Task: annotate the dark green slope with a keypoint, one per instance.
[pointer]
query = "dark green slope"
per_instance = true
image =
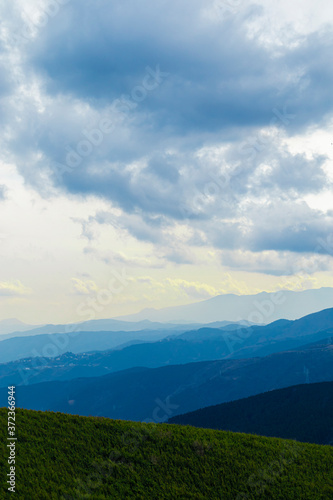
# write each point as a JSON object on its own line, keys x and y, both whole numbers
{"x": 69, "y": 457}
{"x": 303, "y": 412}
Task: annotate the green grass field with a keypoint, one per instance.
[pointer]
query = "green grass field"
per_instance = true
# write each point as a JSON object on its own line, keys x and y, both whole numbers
{"x": 68, "y": 457}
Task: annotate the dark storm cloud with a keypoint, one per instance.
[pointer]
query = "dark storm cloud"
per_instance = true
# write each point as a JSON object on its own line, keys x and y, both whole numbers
{"x": 221, "y": 88}
{"x": 280, "y": 226}
{"x": 219, "y": 77}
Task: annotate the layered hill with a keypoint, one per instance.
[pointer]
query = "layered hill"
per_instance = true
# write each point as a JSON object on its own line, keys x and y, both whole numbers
{"x": 173, "y": 390}
{"x": 303, "y": 412}
{"x": 35, "y": 343}
{"x": 103, "y": 459}
{"x": 53, "y": 345}
{"x": 205, "y": 344}
{"x": 13, "y": 328}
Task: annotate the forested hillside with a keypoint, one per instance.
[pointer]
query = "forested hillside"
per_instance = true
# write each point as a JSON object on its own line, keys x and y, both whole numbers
{"x": 70, "y": 457}
{"x": 303, "y": 412}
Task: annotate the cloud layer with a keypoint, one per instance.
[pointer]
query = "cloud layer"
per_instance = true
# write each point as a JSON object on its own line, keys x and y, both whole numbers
{"x": 185, "y": 124}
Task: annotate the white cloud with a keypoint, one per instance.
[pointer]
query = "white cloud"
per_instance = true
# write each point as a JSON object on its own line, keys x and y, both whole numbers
{"x": 84, "y": 287}
{"x": 14, "y": 289}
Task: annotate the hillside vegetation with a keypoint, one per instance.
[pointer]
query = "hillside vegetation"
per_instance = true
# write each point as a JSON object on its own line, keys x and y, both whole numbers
{"x": 70, "y": 457}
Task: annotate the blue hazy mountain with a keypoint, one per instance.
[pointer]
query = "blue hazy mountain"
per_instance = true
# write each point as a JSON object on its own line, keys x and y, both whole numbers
{"x": 25, "y": 344}
{"x": 260, "y": 308}
{"x": 54, "y": 345}
{"x": 10, "y": 325}
{"x": 150, "y": 349}
{"x": 98, "y": 325}
{"x": 159, "y": 393}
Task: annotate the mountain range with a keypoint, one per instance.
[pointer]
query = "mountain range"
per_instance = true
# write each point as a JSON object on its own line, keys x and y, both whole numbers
{"x": 228, "y": 374}
{"x": 159, "y": 393}
{"x": 97, "y": 325}
{"x": 53, "y": 345}
{"x": 151, "y": 349}
{"x": 263, "y": 307}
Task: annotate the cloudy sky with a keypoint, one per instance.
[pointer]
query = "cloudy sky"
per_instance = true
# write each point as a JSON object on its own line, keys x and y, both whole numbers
{"x": 156, "y": 153}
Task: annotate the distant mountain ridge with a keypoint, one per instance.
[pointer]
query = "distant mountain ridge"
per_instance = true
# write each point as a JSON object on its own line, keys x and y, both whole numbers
{"x": 152, "y": 349}
{"x": 259, "y": 308}
{"x": 11, "y": 324}
{"x": 97, "y": 325}
{"x": 56, "y": 344}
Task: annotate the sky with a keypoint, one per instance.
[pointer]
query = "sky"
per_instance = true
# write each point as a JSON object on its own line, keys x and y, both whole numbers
{"x": 158, "y": 153}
